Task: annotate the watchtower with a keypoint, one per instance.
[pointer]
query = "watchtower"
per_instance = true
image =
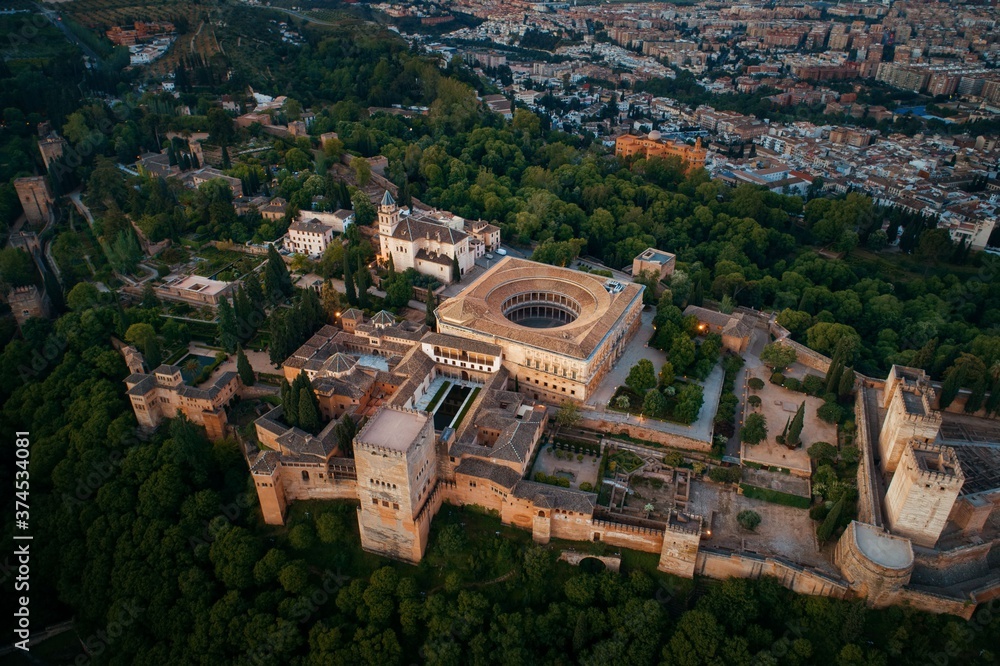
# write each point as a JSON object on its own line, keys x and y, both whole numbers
{"x": 908, "y": 398}
{"x": 397, "y": 474}
{"x": 923, "y": 491}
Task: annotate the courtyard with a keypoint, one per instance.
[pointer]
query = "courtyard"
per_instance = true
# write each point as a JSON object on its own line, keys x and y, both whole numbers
{"x": 577, "y": 468}
{"x": 784, "y": 531}
{"x": 778, "y": 406}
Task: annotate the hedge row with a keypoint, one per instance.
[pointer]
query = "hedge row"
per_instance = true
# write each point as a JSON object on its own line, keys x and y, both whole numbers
{"x": 775, "y": 496}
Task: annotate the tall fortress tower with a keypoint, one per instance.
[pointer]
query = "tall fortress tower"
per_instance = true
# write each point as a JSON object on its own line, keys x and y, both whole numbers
{"x": 908, "y": 400}
{"x": 923, "y": 491}
{"x": 397, "y": 474}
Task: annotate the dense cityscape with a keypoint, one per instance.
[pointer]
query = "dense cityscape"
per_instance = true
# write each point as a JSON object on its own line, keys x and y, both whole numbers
{"x": 500, "y": 332}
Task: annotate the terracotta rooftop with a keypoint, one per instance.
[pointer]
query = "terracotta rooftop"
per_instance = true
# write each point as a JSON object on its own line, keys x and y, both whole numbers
{"x": 479, "y": 308}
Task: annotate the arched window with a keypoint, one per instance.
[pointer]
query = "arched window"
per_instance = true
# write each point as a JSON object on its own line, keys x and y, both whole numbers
{"x": 305, "y": 475}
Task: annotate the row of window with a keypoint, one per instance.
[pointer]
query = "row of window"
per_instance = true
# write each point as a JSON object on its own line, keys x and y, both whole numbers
{"x": 395, "y": 505}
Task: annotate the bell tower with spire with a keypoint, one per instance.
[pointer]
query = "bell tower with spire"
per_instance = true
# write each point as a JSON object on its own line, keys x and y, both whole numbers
{"x": 388, "y": 220}
{"x": 388, "y": 215}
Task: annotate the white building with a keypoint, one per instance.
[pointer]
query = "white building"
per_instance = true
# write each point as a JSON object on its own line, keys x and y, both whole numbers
{"x": 426, "y": 242}
{"x": 309, "y": 237}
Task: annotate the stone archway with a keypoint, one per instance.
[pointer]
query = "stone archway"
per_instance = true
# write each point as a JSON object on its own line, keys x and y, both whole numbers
{"x": 609, "y": 562}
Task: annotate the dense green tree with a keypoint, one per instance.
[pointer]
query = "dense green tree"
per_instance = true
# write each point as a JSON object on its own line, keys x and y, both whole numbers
{"x": 754, "y": 429}
{"x": 228, "y": 329}
{"x": 277, "y": 280}
{"x": 641, "y": 377}
{"x": 748, "y": 519}
{"x": 793, "y": 435}
{"x": 689, "y": 401}
{"x": 309, "y": 419}
{"x": 777, "y": 356}
{"x": 654, "y": 404}
{"x": 243, "y": 368}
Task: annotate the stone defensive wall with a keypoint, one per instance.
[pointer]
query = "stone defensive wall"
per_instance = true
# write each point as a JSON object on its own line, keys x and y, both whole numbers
{"x": 876, "y": 564}
{"x": 720, "y": 563}
{"x": 869, "y": 505}
{"x": 337, "y": 481}
{"x": 638, "y": 431}
{"x": 930, "y": 602}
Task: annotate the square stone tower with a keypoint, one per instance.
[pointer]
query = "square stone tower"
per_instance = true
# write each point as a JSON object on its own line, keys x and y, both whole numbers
{"x": 26, "y": 303}
{"x": 36, "y": 198}
{"x": 923, "y": 491}
{"x": 907, "y": 399}
{"x": 395, "y": 458}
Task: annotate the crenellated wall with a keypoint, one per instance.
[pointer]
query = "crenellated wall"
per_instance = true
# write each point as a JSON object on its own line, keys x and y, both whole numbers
{"x": 723, "y": 564}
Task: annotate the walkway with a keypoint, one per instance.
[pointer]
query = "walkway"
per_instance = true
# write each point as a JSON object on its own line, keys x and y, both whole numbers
{"x": 751, "y": 362}
{"x": 701, "y": 430}
{"x": 637, "y": 349}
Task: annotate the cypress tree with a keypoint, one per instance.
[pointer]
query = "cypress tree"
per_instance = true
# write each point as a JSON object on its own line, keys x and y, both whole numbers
{"x": 975, "y": 401}
{"x": 286, "y": 400}
{"x": 292, "y": 404}
{"x": 254, "y": 294}
{"x": 349, "y": 291}
{"x": 308, "y": 414}
{"x": 829, "y": 524}
{"x": 431, "y": 303}
{"x": 227, "y": 326}
{"x": 456, "y": 271}
{"x": 361, "y": 278}
{"x": 834, "y": 373}
{"x": 794, "y": 436}
{"x": 952, "y": 384}
{"x": 846, "y": 387}
{"x": 993, "y": 402}
{"x": 243, "y": 368}
{"x": 276, "y": 278}
{"x": 278, "y": 348}
{"x": 152, "y": 352}
{"x": 244, "y": 311}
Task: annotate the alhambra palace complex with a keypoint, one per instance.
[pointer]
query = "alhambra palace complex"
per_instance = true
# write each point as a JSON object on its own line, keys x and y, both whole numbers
{"x": 456, "y": 416}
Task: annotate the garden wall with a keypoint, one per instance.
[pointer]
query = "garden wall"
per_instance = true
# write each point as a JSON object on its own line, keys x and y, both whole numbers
{"x": 612, "y": 428}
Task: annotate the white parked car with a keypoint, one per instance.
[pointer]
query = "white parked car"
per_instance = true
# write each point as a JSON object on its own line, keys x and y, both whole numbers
{"x": 501, "y": 251}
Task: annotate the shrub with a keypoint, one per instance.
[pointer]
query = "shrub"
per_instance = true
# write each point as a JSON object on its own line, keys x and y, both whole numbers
{"x": 829, "y": 412}
{"x": 777, "y": 378}
{"x": 725, "y": 474}
{"x": 819, "y": 511}
{"x": 673, "y": 459}
{"x": 748, "y": 520}
{"x": 829, "y": 524}
{"x": 813, "y": 384}
{"x": 822, "y": 451}
{"x": 586, "y": 486}
{"x": 775, "y": 496}
{"x": 754, "y": 401}
{"x": 755, "y": 383}
{"x": 792, "y": 384}
{"x": 579, "y": 457}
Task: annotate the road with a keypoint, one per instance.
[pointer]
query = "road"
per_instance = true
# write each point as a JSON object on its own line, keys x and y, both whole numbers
{"x": 53, "y": 18}
{"x": 296, "y": 14}
{"x": 80, "y": 206}
{"x": 751, "y": 361}
{"x": 637, "y": 349}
